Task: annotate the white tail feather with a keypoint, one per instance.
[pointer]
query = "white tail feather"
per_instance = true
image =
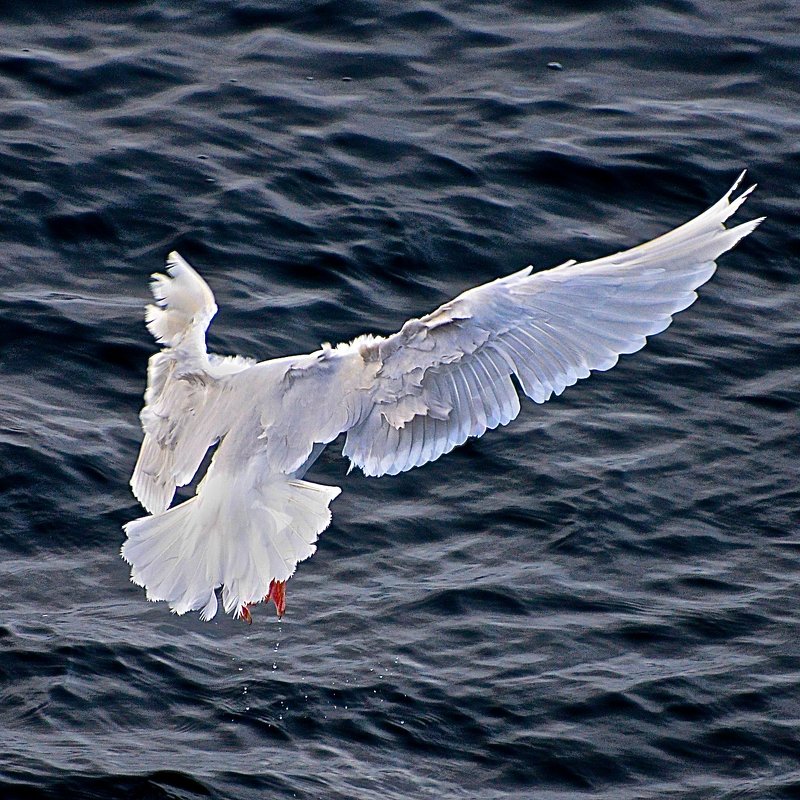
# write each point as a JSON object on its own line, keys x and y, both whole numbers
{"x": 184, "y": 554}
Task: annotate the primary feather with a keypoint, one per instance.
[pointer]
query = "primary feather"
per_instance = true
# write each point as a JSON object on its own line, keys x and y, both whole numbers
{"x": 402, "y": 400}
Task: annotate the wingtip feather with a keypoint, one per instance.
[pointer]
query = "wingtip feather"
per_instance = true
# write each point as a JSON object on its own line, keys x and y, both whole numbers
{"x": 182, "y": 300}
{"x": 737, "y": 182}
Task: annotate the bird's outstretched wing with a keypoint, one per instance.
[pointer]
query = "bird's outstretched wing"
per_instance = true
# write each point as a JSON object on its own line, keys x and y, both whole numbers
{"x": 407, "y": 399}
{"x": 181, "y": 418}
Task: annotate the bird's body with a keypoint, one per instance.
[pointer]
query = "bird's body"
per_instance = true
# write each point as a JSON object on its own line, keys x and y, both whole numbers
{"x": 402, "y": 400}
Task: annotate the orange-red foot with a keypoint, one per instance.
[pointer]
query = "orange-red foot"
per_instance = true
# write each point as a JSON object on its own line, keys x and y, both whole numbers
{"x": 246, "y": 615}
{"x": 277, "y": 593}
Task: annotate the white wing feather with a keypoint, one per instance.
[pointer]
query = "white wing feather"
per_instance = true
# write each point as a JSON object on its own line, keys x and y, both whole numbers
{"x": 181, "y": 418}
{"x": 448, "y": 376}
{"x": 408, "y": 398}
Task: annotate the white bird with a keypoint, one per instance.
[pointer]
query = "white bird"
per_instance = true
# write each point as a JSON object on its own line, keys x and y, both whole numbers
{"x": 402, "y": 400}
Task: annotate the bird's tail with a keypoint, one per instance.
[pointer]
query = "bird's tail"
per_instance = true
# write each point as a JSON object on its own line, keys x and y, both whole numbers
{"x": 241, "y": 542}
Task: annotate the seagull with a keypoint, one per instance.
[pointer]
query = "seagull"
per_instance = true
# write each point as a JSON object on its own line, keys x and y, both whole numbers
{"x": 402, "y": 401}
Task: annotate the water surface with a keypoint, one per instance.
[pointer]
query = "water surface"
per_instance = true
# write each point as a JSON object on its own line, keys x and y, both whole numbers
{"x": 602, "y": 599}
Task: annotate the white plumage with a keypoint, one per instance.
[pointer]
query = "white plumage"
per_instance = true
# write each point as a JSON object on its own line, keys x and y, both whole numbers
{"x": 402, "y": 400}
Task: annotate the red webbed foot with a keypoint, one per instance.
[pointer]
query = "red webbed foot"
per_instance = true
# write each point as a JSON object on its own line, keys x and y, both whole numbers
{"x": 277, "y": 593}
{"x": 245, "y": 614}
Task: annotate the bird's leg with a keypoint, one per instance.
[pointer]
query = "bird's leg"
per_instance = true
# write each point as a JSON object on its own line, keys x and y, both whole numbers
{"x": 277, "y": 593}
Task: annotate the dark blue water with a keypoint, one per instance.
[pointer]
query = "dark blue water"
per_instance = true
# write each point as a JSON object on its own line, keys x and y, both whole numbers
{"x": 600, "y": 600}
